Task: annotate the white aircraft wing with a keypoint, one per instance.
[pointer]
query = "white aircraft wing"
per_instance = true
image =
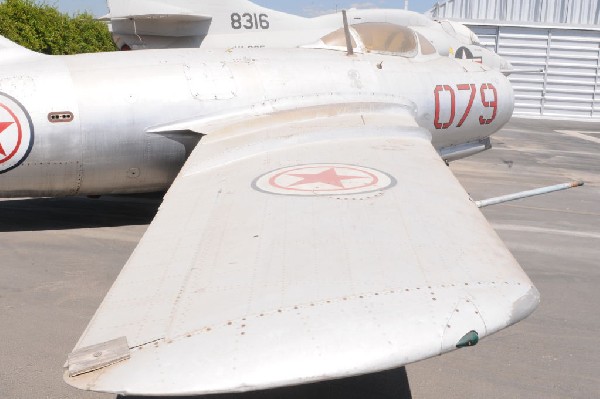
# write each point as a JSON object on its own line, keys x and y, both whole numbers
{"x": 316, "y": 244}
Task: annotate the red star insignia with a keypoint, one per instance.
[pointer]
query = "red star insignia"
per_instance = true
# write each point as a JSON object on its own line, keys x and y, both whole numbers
{"x": 328, "y": 176}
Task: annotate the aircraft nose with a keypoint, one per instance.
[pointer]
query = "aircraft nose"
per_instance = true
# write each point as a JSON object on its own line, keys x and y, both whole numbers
{"x": 495, "y": 61}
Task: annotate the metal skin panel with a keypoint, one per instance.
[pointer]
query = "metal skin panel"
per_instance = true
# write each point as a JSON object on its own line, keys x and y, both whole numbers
{"x": 116, "y": 97}
{"x": 54, "y": 164}
{"x": 118, "y": 155}
{"x": 400, "y": 278}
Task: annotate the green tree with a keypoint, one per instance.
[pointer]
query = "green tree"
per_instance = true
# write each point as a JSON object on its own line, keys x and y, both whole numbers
{"x": 42, "y": 28}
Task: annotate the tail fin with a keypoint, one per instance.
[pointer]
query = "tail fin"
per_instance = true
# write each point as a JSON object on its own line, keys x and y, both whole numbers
{"x": 7, "y": 44}
{"x": 10, "y": 50}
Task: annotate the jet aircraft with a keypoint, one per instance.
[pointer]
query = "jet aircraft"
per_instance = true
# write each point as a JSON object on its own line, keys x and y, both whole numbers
{"x": 311, "y": 229}
{"x": 143, "y": 24}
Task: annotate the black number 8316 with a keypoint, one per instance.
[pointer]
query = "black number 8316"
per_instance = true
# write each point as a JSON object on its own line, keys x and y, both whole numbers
{"x": 249, "y": 21}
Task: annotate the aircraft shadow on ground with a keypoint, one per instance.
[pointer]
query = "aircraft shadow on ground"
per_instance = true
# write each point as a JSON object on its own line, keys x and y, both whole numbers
{"x": 76, "y": 213}
{"x": 385, "y": 385}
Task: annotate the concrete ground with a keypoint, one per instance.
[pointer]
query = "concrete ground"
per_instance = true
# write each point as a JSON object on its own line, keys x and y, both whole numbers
{"x": 58, "y": 257}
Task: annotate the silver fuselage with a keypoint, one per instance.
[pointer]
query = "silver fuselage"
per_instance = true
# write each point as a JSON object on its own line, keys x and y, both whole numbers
{"x": 104, "y": 148}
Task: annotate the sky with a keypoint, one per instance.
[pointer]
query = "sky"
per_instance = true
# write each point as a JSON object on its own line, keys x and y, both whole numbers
{"x": 308, "y": 8}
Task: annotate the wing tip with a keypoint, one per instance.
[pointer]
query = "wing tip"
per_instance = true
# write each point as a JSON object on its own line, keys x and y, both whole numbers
{"x": 524, "y": 306}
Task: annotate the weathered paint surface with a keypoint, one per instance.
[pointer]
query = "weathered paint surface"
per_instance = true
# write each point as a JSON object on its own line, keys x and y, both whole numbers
{"x": 114, "y": 98}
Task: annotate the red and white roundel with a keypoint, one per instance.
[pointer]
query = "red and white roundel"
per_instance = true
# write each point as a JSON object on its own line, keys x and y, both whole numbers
{"x": 16, "y": 133}
{"x": 324, "y": 179}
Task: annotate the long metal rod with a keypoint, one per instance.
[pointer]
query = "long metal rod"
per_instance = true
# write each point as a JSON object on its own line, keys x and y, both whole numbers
{"x": 527, "y": 194}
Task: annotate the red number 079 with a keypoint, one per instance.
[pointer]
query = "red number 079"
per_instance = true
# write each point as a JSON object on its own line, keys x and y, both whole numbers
{"x": 489, "y": 99}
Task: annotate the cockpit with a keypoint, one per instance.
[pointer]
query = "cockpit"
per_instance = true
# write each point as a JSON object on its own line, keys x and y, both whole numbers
{"x": 380, "y": 38}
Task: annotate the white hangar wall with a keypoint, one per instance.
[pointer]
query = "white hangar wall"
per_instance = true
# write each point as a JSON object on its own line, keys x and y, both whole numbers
{"x": 561, "y": 37}
{"x": 572, "y": 12}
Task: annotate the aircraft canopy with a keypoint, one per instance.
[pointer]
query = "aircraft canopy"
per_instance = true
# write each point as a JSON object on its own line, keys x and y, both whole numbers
{"x": 379, "y": 37}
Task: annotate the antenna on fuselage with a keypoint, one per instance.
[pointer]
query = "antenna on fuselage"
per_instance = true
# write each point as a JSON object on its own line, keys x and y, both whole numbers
{"x": 347, "y": 32}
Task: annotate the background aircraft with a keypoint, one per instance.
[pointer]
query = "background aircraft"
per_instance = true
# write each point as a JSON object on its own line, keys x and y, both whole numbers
{"x": 142, "y": 24}
{"x": 314, "y": 231}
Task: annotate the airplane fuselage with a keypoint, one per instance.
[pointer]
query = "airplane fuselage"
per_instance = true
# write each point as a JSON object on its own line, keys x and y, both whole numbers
{"x": 77, "y": 125}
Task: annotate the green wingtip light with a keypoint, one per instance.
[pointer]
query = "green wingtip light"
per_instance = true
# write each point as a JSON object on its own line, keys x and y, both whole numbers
{"x": 470, "y": 339}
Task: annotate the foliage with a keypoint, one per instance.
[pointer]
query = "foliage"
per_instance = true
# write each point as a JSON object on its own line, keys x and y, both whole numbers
{"x": 42, "y": 28}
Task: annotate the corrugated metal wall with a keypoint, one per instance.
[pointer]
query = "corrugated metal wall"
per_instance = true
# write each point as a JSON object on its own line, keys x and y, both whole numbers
{"x": 578, "y": 12}
{"x": 568, "y": 54}
{"x": 570, "y": 83}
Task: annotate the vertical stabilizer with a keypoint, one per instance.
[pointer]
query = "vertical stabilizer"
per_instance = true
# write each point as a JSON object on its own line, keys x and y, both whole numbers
{"x": 10, "y": 51}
